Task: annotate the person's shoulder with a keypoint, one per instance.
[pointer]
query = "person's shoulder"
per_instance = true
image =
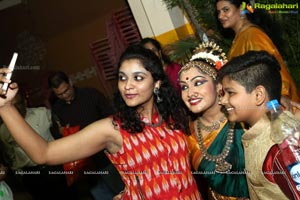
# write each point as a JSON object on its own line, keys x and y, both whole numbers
{"x": 57, "y": 105}
{"x": 175, "y": 65}
{"x": 85, "y": 89}
{"x": 38, "y": 110}
{"x": 254, "y": 31}
{"x": 89, "y": 90}
{"x": 107, "y": 125}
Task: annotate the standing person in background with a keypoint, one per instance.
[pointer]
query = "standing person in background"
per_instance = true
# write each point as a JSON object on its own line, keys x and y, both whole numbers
{"x": 255, "y": 30}
{"x": 215, "y": 145}
{"x": 145, "y": 139}
{"x": 80, "y": 107}
{"x": 170, "y": 67}
{"x": 41, "y": 181}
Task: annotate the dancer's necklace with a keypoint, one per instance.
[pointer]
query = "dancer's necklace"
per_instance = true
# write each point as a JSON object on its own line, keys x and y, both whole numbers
{"x": 221, "y": 165}
{"x": 215, "y": 125}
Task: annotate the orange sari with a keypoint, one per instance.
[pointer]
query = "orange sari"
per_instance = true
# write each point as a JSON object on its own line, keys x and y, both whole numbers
{"x": 255, "y": 39}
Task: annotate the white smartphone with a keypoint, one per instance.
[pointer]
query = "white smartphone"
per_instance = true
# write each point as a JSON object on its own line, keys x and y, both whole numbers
{"x": 11, "y": 66}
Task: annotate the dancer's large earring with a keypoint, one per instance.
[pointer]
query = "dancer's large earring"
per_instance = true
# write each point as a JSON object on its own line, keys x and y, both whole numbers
{"x": 158, "y": 98}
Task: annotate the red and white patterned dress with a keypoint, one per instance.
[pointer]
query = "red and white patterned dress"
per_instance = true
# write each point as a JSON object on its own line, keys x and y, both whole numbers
{"x": 154, "y": 165}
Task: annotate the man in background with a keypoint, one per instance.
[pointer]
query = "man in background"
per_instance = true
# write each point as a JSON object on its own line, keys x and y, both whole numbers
{"x": 80, "y": 107}
{"x": 41, "y": 181}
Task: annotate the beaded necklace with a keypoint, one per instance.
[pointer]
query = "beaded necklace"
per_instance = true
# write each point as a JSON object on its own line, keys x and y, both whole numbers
{"x": 221, "y": 165}
{"x": 214, "y": 126}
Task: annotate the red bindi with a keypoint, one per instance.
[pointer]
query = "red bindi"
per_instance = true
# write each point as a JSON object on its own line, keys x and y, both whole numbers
{"x": 187, "y": 78}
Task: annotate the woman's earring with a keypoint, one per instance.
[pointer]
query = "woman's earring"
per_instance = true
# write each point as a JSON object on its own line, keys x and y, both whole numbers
{"x": 158, "y": 98}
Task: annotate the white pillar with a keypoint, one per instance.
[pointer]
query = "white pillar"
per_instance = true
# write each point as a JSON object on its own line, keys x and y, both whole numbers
{"x": 156, "y": 21}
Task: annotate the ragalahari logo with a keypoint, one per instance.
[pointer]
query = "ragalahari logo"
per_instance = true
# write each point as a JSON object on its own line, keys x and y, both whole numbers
{"x": 246, "y": 8}
{"x": 281, "y": 8}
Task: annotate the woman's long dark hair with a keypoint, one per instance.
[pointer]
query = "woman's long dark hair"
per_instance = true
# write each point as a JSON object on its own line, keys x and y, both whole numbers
{"x": 170, "y": 108}
{"x": 262, "y": 19}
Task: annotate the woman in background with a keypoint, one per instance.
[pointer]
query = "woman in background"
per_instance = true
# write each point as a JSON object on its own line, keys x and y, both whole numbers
{"x": 255, "y": 30}
{"x": 171, "y": 68}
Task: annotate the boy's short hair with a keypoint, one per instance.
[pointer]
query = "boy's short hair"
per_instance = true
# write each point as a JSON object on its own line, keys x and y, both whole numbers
{"x": 252, "y": 69}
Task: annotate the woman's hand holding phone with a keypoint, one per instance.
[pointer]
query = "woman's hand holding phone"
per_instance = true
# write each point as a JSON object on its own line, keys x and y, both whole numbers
{"x": 7, "y": 90}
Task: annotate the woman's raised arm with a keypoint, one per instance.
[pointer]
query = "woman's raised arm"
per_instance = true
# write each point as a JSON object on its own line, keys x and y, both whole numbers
{"x": 95, "y": 137}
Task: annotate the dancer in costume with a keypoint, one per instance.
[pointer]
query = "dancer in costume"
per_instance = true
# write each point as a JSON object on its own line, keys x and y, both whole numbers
{"x": 215, "y": 143}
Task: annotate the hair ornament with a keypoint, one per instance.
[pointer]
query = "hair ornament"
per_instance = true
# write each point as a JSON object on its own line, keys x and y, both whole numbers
{"x": 211, "y": 53}
{"x": 208, "y": 57}
{"x": 204, "y": 67}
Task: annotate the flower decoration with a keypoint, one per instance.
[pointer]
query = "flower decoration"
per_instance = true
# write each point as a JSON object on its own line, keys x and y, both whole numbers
{"x": 211, "y": 53}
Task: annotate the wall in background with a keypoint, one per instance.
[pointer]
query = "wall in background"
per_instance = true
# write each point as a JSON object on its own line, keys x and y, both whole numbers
{"x": 154, "y": 19}
{"x": 65, "y": 29}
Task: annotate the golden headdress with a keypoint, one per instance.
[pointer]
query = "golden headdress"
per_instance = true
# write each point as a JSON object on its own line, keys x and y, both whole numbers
{"x": 208, "y": 57}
